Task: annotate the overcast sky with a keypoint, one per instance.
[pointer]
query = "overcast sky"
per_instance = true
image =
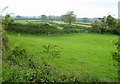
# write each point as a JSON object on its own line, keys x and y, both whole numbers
{"x": 82, "y": 8}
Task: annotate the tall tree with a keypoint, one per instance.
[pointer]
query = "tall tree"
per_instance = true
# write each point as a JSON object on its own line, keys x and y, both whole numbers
{"x": 111, "y": 22}
{"x": 69, "y": 17}
{"x": 43, "y": 17}
{"x": 51, "y": 18}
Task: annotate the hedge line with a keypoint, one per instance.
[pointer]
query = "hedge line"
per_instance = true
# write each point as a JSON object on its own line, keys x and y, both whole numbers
{"x": 46, "y": 28}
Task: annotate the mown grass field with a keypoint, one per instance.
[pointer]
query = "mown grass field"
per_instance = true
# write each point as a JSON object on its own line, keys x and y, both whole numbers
{"x": 80, "y": 53}
{"x": 84, "y": 24}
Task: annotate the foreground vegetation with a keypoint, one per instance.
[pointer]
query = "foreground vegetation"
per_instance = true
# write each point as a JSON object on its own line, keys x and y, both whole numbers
{"x": 87, "y": 54}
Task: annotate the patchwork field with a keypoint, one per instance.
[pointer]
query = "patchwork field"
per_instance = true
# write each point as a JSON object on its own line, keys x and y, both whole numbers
{"x": 80, "y": 53}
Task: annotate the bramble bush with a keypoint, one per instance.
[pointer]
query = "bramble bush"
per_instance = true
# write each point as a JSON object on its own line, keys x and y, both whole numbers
{"x": 18, "y": 66}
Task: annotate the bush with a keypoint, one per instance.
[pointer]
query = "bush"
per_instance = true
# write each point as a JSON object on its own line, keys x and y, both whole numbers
{"x": 75, "y": 28}
{"x": 33, "y": 28}
{"x": 18, "y": 66}
{"x": 5, "y": 45}
{"x": 100, "y": 28}
{"x": 45, "y": 28}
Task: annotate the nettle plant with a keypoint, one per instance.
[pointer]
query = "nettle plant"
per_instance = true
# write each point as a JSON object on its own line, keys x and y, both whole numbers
{"x": 52, "y": 51}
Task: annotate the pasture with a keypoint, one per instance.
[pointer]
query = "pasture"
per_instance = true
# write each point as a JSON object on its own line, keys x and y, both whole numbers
{"x": 84, "y": 24}
{"x": 80, "y": 53}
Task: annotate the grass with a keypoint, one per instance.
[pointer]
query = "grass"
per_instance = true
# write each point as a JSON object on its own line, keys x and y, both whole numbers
{"x": 84, "y": 24}
{"x": 86, "y": 53}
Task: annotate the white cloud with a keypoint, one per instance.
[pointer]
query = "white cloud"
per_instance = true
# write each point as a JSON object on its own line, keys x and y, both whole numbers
{"x": 82, "y": 8}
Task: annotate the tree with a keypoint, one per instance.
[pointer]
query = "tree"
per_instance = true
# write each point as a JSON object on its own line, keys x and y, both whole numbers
{"x": 85, "y": 19}
{"x": 101, "y": 26}
{"x": 51, "y": 18}
{"x": 106, "y": 24}
{"x": 69, "y": 17}
{"x": 112, "y": 23}
{"x": 19, "y": 17}
{"x": 43, "y": 17}
{"x": 6, "y": 21}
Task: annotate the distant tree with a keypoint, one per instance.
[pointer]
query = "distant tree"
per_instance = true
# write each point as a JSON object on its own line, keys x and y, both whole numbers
{"x": 85, "y": 19}
{"x": 43, "y": 17}
{"x": 112, "y": 23}
{"x": 106, "y": 24}
{"x": 18, "y": 17}
{"x": 103, "y": 19}
{"x": 100, "y": 26}
{"x": 51, "y": 18}
{"x": 69, "y": 17}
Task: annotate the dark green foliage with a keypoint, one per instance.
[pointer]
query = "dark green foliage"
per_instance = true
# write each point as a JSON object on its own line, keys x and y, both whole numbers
{"x": 33, "y": 28}
{"x": 16, "y": 62}
{"x": 18, "y": 66}
{"x": 85, "y": 19}
{"x": 75, "y": 29}
{"x": 118, "y": 28}
{"x": 19, "y": 57}
{"x": 45, "y": 28}
{"x": 69, "y": 17}
{"x": 99, "y": 27}
{"x": 105, "y": 25}
{"x": 5, "y": 44}
{"x": 116, "y": 55}
{"x": 6, "y": 21}
{"x": 5, "y": 24}
{"x": 44, "y": 18}
{"x": 111, "y": 21}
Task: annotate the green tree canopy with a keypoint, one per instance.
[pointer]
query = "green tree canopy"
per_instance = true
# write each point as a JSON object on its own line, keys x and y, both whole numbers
{"x": 7, "y": 20}
{"x": 51, "y": 18}
{"x": 69, "y": 17}
{"x": 85, "y": 19}
{"x": 43, "y": 17}
{"x": 111, "y": 21}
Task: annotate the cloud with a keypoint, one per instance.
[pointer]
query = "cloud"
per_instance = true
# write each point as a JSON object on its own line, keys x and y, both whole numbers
{"x": 82, "y": 8}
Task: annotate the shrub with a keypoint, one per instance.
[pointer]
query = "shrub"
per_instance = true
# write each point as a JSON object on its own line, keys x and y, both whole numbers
{"x": 52, "y": 51}
{"x": 33, "y": 28}
{"x": 45, "y": 28}
{"x": 18, "y": 66}
{"x": 99, "y": 28}
{"x": 75, "y": 28}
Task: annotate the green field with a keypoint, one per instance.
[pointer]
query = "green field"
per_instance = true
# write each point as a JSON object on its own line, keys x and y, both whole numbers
{"x": 84, "y": 24}
{"x": 83, "y": 52}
